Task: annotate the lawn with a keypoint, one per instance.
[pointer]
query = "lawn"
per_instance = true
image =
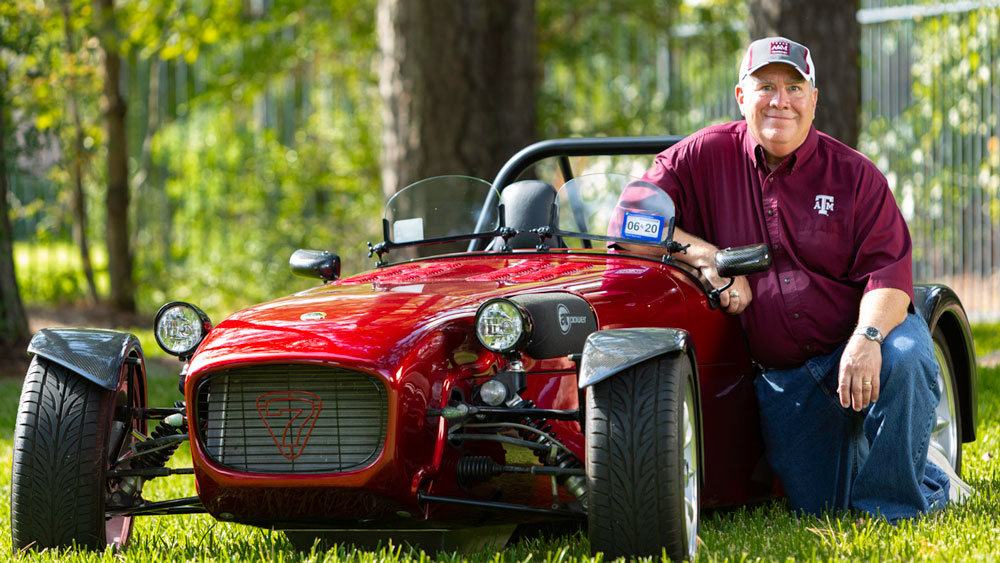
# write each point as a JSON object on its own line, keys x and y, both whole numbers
{"x": 970, "y": 532}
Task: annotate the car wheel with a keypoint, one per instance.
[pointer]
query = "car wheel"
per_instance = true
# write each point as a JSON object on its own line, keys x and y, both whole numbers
{"x": 68, "y": 433}
{"x": 947, "y": 433}
{"x": 643, "y": 461}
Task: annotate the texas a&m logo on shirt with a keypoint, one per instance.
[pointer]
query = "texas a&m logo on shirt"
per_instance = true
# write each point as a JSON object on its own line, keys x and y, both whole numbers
{"x": 824, "y": 204}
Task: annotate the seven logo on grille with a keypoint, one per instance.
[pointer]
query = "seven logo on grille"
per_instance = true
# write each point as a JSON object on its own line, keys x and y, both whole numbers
{"x": 298, "y": 411}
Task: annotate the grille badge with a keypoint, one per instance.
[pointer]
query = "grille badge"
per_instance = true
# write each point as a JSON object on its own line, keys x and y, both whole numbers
{"x": 298, "y": 410}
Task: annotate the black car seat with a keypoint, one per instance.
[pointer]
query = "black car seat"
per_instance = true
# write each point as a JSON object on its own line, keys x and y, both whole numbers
{"x": 528, "y": 205}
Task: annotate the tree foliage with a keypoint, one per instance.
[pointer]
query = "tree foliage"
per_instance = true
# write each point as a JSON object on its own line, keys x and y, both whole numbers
{"x": 252, "y": 131}
{"x": 636, "y": 67}
{"x": 13, "y": 322}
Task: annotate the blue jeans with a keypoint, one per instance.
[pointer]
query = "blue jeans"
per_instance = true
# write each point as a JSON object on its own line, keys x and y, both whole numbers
{"x": 833, "y": 458}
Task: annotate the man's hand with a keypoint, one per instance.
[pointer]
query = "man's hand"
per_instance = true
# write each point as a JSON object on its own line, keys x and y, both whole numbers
{"x": 884, "y": 309}
{"x": 735, "y": 299}
{"x": 860, "y": 366}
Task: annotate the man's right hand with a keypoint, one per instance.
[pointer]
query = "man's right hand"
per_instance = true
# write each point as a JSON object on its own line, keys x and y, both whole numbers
{"x": 735, "y": 299}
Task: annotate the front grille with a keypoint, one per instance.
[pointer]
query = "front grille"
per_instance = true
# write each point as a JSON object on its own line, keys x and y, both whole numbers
{"x": 292, "y": 418}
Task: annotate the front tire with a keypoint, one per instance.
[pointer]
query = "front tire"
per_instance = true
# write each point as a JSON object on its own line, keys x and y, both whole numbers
{"x": 643, "y": 461}
{"x": 66, "y": 438}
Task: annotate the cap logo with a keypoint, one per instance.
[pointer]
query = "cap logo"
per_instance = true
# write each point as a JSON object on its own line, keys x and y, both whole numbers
{"x": 780, "y": 48}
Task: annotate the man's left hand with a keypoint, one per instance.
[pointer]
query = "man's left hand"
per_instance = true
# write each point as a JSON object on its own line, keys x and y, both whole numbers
{"x": 860, "y": 366}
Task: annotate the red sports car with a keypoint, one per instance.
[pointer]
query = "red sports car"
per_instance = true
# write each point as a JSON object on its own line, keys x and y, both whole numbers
{"x": 507, "y": 362}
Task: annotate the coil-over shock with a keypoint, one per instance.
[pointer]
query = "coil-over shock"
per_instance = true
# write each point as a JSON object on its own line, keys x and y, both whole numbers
{"x": 539, "y": 430}
{"x": 169, "y": 426}
{"x": 151, "y": 453}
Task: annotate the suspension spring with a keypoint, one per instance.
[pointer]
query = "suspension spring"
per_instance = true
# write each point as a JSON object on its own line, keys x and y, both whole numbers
{"x": 542, "y": 425}
{"x": 554, "y": 456}
{"x": 159, "y": 458}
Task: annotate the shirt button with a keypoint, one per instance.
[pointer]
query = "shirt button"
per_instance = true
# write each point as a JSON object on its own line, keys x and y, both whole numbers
{"x": 787, "y": 280}
{"x": 777, "y": 247}
{"x": 771, "y": 179}
{"x": 795, "y": 315}
{"x": 808, "y": 347}
{"x": 770, "y": 212}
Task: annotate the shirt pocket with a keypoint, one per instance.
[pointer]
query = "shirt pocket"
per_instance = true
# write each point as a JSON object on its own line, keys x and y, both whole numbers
{"x": 824, "y": 246}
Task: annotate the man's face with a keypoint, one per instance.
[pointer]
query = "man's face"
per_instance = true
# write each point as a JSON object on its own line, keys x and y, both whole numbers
{"x": 779, "y": 106}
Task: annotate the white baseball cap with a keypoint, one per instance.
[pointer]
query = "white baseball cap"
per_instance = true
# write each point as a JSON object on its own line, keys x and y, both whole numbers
{"x": 778, "y": 50}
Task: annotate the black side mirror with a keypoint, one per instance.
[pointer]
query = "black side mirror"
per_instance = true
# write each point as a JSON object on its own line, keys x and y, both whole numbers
{"x": 739, "y": 261}
{"x": 742, "y": 260}
{"x": 315, "y": 264}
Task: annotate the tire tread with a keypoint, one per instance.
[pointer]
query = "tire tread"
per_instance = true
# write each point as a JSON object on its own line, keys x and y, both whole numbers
{"x": 55, "y": 498}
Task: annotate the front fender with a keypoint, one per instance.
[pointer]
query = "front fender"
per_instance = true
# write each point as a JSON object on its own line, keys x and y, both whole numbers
{"x": 96, "y": 354}
{"x": 607, "y": 352}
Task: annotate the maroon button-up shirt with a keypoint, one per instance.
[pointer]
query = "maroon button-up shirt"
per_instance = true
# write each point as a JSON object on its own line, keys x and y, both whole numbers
{"x": 833, "y": 227}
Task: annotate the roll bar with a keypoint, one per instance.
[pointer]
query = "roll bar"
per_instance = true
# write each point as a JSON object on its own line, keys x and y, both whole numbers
{"x": 563, "y": 149}
{"x": 582, "y": 146}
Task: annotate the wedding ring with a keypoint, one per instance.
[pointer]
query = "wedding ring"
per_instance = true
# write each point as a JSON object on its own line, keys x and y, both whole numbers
{"x": 734, "y": 294}
{"x": 867, "y": 383}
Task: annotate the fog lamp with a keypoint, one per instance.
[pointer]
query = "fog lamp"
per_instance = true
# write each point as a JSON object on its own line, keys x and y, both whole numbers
{"x": 180, "y": 327}
{"x": 493, "y": 392}
{"x": 502, "y": 325}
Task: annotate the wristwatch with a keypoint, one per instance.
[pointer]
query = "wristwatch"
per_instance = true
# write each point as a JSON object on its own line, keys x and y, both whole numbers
{"x": 870, "y": 332}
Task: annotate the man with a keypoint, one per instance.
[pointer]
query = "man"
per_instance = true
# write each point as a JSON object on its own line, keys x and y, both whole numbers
{"x": 848, "y": 388}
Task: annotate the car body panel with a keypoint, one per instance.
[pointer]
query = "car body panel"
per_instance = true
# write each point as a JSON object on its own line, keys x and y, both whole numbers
{"x": 409, "y": 326}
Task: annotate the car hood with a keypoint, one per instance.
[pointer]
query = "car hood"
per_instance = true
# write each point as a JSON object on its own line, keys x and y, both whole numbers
{"x": 373, "y": 318}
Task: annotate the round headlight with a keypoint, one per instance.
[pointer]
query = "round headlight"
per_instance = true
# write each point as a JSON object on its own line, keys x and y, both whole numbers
{"x": 502, "y": 325}
{"x": 180, "y": 327}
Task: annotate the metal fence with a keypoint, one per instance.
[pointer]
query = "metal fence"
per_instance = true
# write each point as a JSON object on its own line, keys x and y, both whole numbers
{"x": 931, "y": 97}
{"x": 930, "y": 104}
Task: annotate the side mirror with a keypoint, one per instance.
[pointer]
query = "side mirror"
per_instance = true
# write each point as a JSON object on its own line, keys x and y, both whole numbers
{"x": 742, "y": 260}
{"x": 315, "y": 264}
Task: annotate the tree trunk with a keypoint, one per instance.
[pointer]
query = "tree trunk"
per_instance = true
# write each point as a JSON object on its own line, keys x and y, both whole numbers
{"x": 78, "y": 200}
{"x": 833, "y": 35}
{"x": 13, "y": 322}
{"x": 122, "y": 296}
{"x": 458, "y": 86}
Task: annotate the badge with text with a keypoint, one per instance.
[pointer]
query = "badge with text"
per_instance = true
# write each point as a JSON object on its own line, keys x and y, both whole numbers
{"x": 639, "y": 226}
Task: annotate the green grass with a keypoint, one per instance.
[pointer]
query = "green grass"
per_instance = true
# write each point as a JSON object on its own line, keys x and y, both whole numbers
{"x": 987, "y": 338}
{"x": 53, "y": 272}
{"x": 970, "y": 532}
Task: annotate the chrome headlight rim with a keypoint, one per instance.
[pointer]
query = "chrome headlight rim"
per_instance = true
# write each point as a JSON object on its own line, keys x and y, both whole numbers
{"x": 198, "y": 323}
{"x": 522, "y": 315}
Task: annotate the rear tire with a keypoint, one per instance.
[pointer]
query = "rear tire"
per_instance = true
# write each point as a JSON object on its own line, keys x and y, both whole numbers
{"x": 65, "y": 439}
{"x": 643, "y": 461}
{"x": 946, "y": 436}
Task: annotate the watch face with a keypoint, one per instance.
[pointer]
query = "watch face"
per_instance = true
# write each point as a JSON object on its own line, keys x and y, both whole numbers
{"x": 872, "y": 333}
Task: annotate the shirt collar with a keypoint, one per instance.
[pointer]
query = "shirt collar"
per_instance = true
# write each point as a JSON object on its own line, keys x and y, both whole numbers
{"x": 796, "y": 159}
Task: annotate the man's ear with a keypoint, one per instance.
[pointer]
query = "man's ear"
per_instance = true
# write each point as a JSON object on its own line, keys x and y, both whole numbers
{"x": 739, "y": 97}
